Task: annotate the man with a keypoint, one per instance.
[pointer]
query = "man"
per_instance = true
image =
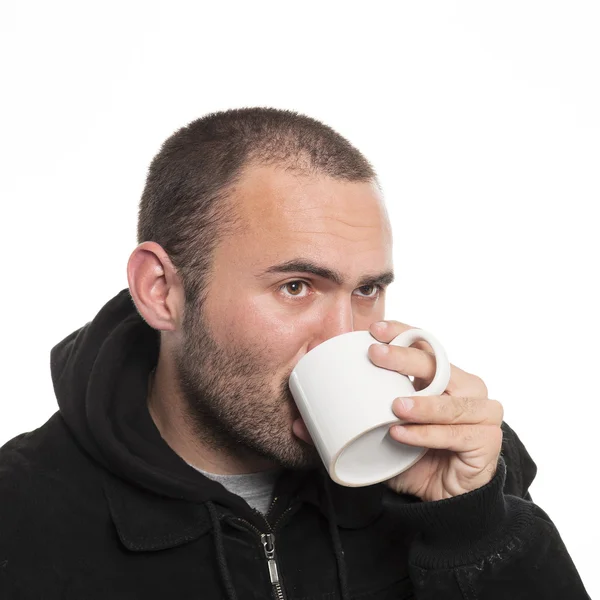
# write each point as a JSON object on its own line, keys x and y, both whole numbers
{"x": 177, "y": 465}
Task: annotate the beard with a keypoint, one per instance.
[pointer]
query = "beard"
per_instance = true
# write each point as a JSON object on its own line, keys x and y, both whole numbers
{"x": 233, "y": 403}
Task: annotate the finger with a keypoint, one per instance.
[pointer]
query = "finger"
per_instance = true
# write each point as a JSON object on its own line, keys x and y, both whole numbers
{"x": 448, "y": 410}
{"x": 408, "y": 361}
{"x": 456, "y": 438}
{"x": 422, "y": 366}
{"x": 386, "y": 331}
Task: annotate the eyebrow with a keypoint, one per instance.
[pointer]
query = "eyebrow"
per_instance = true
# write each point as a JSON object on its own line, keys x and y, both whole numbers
{"x": 300, "y": 265}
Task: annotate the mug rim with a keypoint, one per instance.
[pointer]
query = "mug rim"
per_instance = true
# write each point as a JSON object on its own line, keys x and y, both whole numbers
{"x": 334, "y": 339}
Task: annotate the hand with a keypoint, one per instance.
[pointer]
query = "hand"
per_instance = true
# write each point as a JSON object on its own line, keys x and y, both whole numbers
{"x": 462, "y": 426}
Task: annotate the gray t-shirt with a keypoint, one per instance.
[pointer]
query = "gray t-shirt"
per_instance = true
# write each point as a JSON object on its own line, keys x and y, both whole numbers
{"x": 255, "y": 488}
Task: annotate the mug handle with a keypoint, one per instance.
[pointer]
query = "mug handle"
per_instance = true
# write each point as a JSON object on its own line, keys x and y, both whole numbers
{"x": 442, "y": 371}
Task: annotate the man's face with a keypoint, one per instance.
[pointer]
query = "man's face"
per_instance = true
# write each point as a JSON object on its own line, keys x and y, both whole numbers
{"x": 309, "y": 260}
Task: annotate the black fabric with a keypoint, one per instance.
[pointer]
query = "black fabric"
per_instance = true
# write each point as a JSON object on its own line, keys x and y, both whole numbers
{"x": 337, "y": 545}
{"x": 220, "y": 548}
{"x": 95, "y": 505}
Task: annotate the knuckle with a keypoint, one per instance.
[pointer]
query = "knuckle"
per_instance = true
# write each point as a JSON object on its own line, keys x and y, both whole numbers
{"x": 499, "y": 410}
{"x": 470, "y": 434}
{"x": 461, "y": 408}
{"x": 443, "y": 407}
{"x": 455, "y": 431}
{"x": 472, "y": 384}
{"x": 469, "y": 406}
{"x": 480, "y": 386}
{"x": 444, "y": 412}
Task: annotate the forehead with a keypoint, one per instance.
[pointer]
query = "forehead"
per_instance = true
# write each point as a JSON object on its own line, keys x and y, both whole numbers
{"x": 282, "y": 214}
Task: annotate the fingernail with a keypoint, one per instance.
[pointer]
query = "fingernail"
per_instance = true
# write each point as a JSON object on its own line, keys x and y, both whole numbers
{"x": 381, "y": 349}
{"x": 381, "y": 325}
{"x": 399, "y": 430}
{"x": 407, "y": 403}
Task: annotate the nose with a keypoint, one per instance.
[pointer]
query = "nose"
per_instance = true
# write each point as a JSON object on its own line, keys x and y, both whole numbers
{"x": 338, "y": 319}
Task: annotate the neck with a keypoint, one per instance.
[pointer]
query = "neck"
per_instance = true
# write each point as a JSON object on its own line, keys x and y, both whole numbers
{"x": 167, "y": 408}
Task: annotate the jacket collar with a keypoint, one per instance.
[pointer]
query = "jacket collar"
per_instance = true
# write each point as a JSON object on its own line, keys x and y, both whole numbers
{"x": 146, "y": 521}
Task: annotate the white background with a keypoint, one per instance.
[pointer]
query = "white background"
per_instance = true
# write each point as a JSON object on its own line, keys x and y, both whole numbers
{"x": 482, "y": 119}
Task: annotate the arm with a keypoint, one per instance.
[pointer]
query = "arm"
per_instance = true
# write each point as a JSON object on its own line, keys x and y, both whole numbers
{"x": 491, "y": 543}
{"x": 478, "y": 536}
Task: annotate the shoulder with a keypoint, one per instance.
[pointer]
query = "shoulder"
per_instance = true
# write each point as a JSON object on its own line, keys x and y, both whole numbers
{"x": 32, "y": 456}
{"x": 43, "y": 475}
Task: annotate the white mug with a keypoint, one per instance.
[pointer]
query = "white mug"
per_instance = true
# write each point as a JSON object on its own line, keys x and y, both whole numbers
{"x": 346, "y": 403}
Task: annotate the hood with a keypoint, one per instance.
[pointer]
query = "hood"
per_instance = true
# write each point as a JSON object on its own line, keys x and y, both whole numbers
{"x": 100, "y": 375}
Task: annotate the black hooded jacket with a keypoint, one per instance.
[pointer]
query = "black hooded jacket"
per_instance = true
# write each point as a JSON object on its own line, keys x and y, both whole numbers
{"x": 95, "y": 505}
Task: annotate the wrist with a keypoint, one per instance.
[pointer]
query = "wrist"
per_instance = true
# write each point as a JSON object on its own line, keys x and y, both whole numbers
{"x": 461, "y": 529}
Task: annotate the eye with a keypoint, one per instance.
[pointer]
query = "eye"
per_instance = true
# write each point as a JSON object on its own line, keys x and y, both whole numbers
{"x": 368, "y": 291}
{"x": 295, "y": 289}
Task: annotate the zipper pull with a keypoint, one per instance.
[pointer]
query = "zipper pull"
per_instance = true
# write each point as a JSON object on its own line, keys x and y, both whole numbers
{"x": 268, "y": 542}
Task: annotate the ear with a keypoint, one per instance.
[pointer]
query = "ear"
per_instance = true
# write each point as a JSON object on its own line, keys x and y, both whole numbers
{"x": 155, "y": 287}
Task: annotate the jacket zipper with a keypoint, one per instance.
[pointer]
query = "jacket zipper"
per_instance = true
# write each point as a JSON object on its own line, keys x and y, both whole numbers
{"x": 268, "y": 543}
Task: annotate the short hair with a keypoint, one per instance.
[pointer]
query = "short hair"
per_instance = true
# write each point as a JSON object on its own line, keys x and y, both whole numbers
{"x": 184, "y": 205}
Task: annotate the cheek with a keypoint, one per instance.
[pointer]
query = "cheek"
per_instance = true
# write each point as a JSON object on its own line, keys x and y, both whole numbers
{"x": 264, "y": 327}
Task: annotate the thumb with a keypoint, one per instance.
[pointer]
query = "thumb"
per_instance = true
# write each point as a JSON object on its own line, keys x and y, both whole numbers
{"x": 300, "y": 431}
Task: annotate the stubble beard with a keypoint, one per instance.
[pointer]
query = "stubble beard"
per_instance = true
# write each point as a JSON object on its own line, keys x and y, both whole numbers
{"x": 232, "y": 404}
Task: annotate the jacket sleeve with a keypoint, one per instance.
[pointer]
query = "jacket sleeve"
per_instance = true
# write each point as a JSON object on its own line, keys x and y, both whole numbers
{"x": 490, "y": 544}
